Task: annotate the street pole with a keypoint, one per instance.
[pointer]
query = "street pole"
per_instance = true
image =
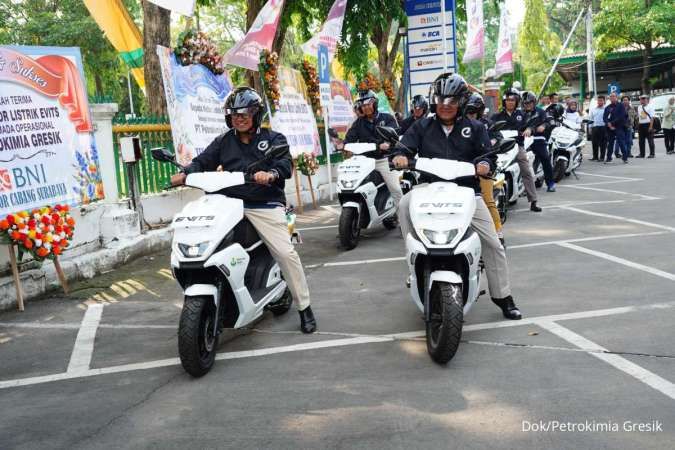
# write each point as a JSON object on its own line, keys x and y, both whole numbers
{"x": 131, "y": 99}
{"x": 445, "y": 42}
{"x": 562, "y": 50}
{"x": 590, "y": 52}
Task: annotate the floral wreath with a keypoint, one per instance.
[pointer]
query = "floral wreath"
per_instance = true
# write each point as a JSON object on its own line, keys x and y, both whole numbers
{"x": 307, "y": 164}
{"x": 269, "y": 70}
{"x": 43, "y": 233}
{"x": 195, "y": 47}
{"x": 312, "y": 82}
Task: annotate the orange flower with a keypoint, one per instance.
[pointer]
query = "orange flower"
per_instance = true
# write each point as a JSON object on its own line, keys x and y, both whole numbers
{"x": 42, "y": 252}
{"x": 28, "y": 243}
{"x": 4, "y": 224}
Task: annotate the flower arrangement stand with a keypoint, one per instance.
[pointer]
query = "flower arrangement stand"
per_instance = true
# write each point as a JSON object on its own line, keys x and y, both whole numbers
{"x": 61, "y": 275}
{"x": 311, "y": 190}
{"x": 15, "y": 275}
{"x": 297, "y": 189}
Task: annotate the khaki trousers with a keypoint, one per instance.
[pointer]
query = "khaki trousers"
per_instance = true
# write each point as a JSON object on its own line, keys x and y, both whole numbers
{"x": 391, "y": 179}
{"x": 493, "y": 253}
{"x": 526, "y": 173}
{"x": 273, "y": 230}
{"x": 486, "y": 191}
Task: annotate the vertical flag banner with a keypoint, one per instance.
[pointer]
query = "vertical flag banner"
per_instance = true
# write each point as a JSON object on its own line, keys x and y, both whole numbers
{"x": 184, "y": 7}
{"x": 475, "y": 31}
{"x": 194, "y": 100}
{"x": 504, "y": 56}
{"x": 246, "y": 53}
{"x": 48, "y": 154}
{"x": 294, "y": 117}
{"x": 118, "y": 26}
{"x": 330, "y": 31}
{"x": 431, "y": 44}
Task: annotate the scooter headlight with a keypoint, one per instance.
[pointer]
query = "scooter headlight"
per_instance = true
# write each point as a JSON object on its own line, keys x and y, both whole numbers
{"x": 193, "y": 251}
{"x": 347, "y": 184}
{"x": 440, "y": 237}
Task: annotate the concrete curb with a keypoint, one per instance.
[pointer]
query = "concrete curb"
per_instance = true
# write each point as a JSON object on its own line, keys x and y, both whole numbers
{"x": 37, "y": 282}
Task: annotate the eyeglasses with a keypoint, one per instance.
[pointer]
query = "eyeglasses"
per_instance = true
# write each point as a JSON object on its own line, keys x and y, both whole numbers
{"x": 242, "y": 113}
{"x": 446, "y": 101}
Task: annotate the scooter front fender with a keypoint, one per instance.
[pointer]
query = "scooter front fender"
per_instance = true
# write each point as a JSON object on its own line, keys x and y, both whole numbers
{"x": 444, "y": 276}
{"x": 208, "y": 290}
{"x": 352, "y": 205}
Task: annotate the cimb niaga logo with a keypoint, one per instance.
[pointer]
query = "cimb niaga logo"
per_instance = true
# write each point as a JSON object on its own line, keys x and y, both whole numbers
{"x": 5, "y": 181}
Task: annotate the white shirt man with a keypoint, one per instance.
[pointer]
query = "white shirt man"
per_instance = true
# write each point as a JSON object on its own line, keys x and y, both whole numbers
{"x": 645, "y": 126}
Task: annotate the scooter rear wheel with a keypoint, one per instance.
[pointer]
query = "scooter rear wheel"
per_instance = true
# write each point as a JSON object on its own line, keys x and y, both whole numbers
{"x": 349, "y": 228}
{"x": 197, "y": 341}
{"x": 444, "y": 330}
{"x": 559, "y": 170}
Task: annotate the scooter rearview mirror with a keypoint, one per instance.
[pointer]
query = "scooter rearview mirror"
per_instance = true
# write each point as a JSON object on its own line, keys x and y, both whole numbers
{"x": 387, "y": 133}
{"x": 162, "y": 154}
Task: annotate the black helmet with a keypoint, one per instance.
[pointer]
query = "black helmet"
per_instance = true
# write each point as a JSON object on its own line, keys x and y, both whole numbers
{"x": 512, "y": 93}
{"x": 366, "y": 96}
{"x": 419, "y": 101}
{"x": 555, "y": 110}
{"x": 475, "y": 104}
{"x": 244, "y": 98}
{"x": 449, "y": 85}
{"x": 527, "y": 97}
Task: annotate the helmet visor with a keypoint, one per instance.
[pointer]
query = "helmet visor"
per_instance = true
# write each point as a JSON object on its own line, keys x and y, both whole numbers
{"x": 366, "y": 101}
{"x": 244, "y": 113}
{"x": 446, "y": 100}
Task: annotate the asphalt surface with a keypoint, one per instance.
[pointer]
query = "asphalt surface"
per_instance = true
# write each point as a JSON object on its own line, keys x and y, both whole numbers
{"x": 593, "y": 275}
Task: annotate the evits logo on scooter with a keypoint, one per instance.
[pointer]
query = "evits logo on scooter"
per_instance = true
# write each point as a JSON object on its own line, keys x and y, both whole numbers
{"x": 194, "y": 218}
{"x": 441, "y": 205}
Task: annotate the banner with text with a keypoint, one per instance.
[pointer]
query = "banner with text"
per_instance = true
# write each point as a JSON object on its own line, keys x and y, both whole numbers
{"x": 294, "y": 117}
{"x": 194, "y": 99}
{"x": 431, "y": 45}
{"x": 475, "y": 31}
{"x": 341, "y": 112}
{"x": 47, "y": 151}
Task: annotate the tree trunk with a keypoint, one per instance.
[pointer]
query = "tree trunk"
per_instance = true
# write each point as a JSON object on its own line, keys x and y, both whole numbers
{"x": 385, "y": 56}
{"x": 99, "y": 83}
{"x": 400, "y": 100}
{"x": 156, "y": 31}
{"x": 646, "y": 60}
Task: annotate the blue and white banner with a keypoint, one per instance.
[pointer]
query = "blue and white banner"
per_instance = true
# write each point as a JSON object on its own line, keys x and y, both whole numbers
{"x": 431, "y": 46}
{"x": 194, "y": 99}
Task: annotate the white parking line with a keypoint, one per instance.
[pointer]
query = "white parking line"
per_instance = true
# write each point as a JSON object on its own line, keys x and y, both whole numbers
{"x": 352, "y": 263}
{"x": 609, "y": 176}
{"x": 357, "y": 340}
{"x": 624, "y": 219}
{"x": 649, "y": 378}
{"x": 616, "y": 259}
{"x": 84, "y": 343}
{"x": 611, "y": 191}
{"x": 318, "y": 228}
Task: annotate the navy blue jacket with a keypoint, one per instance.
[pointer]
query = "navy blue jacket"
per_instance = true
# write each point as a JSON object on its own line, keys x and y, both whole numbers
{"x": 515, "y": 121}
{"x": 616, "y": 115}
{"x": 234, "y": 156}
{"x": 363, "y": 130}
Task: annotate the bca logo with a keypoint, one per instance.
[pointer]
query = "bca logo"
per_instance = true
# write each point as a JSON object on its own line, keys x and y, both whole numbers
{"x": 466, "y": 132}
{"x": 5, "y": 181}
{"x": 263, "y": 145}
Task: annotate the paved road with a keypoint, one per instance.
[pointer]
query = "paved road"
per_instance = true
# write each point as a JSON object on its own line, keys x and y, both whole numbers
{"x": 593, "y": 275}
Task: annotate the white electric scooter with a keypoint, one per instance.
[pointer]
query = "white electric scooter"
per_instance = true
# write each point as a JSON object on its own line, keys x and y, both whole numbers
{"x": 442, "y": 251}
{"x": 366, "y": 202}
{"x": 566, "y": 144}
{"x": 225, "y": 270}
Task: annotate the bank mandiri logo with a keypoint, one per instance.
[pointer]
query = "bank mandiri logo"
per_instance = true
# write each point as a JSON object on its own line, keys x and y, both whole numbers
{"x": 5, "y": 181}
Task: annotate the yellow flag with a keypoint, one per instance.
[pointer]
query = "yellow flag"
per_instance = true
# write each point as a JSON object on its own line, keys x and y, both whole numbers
{"x": 112, "y": 17}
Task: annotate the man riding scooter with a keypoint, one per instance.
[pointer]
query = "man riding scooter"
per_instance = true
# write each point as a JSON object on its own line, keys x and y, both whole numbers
{"x": 447, "y": 135}
{"x": 419, "y": 108}
{"x": 515, "y": 119}
{"x": 363, "y": 130}
{"x": 541, "y": 132}
{"x": 264, "y": 200}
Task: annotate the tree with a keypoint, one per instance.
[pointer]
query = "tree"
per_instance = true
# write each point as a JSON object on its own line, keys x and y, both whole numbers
{"x": 538, "y": 46}
{"x": 156, "y": 31}
{"x": 562, "y": 14}
{"x": 643, "y": 25}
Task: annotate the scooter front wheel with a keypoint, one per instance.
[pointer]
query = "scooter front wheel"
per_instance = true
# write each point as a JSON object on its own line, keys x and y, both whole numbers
{"x": 197, "y": 341}
{"x": 559, "y": 170}
{"x": 444, "y": 329}
{"x": 349, "y": 228}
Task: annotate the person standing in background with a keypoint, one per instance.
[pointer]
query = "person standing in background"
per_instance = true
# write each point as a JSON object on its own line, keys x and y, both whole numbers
{"x": 668, "y": 126}
{"x": 631, "y": 125}
{"x": 646, "y": 126}
{"x": 598, "y": 131}
{"x": 615, "y": 117}
{"x": 544, "y": 101}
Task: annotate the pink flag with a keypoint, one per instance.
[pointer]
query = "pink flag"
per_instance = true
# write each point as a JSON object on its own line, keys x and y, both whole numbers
{"x": 330, "y": 31}
{"x": 504, "y": 56}
{"x": 246, "y": 53}
{"x": 475, "y": 31}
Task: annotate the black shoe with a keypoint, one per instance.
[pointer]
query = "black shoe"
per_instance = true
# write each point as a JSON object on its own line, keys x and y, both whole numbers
{"x": 625, "y": 161}
{"x": 617, "y": 155}
{"x": 534, "y": 207}
{"x": 508, "y": 307}
{"x": 307, "y": 320}
{"x": 594, "y": 159}
{"x": 640, "y": 156}
{"x": 631, "y": 156}
{"x": 650, "y": 156}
